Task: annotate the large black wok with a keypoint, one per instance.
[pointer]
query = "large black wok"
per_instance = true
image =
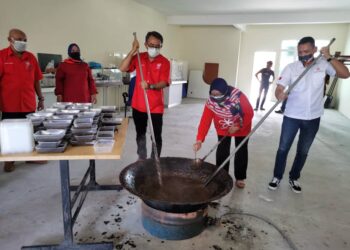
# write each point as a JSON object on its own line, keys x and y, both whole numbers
{"x": 182, "y": 188}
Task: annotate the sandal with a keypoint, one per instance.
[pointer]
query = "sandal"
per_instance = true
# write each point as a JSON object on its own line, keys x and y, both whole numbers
{"x": 240, "y": 183}
{"x": 9, "y": 166}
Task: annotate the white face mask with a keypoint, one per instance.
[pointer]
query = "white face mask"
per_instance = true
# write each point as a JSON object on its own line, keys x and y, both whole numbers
{"x": 19, "y": 46}
{"x": 153, "y": 52}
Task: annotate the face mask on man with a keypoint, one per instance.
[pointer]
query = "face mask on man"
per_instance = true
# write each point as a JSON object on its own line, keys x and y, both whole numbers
{"x": 75, "y": 55}
{"x": 306, "y": 58}
{"x": 153, "y": 52}
{"x": 19, "y": 46}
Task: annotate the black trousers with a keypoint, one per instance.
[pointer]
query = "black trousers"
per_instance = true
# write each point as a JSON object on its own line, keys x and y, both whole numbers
{"x": 241, "y": 156}
{"x": 14, "y": 115}
{"x": 140, "y": 120}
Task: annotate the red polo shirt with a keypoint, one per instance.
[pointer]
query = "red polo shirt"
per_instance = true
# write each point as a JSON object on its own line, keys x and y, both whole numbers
{"x": 17, "y": 78}
{"x": 153, "y": 72}
{"x": 74, "y": 81}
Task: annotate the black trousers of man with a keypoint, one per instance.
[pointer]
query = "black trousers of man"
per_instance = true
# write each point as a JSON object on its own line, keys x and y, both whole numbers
{"x": 241, "y": 156}
{"x": 140, "y": 120}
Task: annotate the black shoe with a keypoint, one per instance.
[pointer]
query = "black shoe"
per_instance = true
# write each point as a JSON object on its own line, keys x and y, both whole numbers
{"x": 279, "y": 111}
{"x": 295, "y": 186}
{"x": 262, "y": 109}
{"x": 275, "y": 182}
{"x": 256, "y": 109}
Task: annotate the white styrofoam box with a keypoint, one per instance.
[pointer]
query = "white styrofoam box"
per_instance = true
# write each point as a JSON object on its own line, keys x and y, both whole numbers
{"x": 16, "y": 136}
{"x": 197, "y": 88}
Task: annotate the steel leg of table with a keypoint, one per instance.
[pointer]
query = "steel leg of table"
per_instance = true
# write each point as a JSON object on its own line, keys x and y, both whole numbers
{"x": 68, "y": 242}
{"x": 93, "y": 185}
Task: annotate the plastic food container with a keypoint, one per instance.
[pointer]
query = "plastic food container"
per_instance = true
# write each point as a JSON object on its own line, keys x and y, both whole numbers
{"x": 50, "y": 135}
{"x": 107, "y": 135}
{"x": 77, "y": 143}
{"x": 96, "y": 110}
{"x": 82, "y": 124}
{"x": 111, "y": 121}
{"x": 61, "y": 117}
{"x": 48, "y": 144}
{"x": 62, "y": 105}
{"x": 61, "y": 147}
{"x": 83, "y": 120}
{"x": 107, "y": 128}
{"x": 52, "y": 110}
{"x": 110, "y": 115}
{"x": 68, "y": 112}
{"x": 84, "y": 137}
{"x": 57, "y": 124}
{"x": 79, "y": 107}
{"x": 108, "y": 109}
{"x": 89, "y": 114}
{"x": 39, "y": 116}
{"x": 92, "y": 130}
{"x": 103, "y": 146}
{"x": 16, "y": 136}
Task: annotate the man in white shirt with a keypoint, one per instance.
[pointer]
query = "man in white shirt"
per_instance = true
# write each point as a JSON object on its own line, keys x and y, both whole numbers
{"x": 304, "y": 107}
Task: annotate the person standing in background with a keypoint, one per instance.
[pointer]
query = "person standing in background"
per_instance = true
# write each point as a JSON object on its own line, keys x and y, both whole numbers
{"x": 19, "y": 81}
{"x": 156, "y": 72}
{"x": 74, "y": 81}
{"x": 265, "y": 75}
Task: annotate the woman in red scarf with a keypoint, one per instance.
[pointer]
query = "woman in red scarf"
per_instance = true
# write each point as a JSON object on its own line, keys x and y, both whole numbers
{"x": 74, "y": 82}
{"x": 232, "y": 115}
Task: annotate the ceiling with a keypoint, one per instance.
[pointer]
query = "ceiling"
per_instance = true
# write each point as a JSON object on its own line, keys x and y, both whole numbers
{"x": 243, "y": 12}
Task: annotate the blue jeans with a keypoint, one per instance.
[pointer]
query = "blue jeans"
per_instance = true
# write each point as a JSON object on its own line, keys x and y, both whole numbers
{"x": 290, "y": 127}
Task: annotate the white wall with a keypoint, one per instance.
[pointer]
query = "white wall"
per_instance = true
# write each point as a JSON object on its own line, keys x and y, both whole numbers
{"x": 269, "y": 38}
{"x": 99, "y": 27}
{"x": 214, "y": 44}
{"x": 343, "y": 89}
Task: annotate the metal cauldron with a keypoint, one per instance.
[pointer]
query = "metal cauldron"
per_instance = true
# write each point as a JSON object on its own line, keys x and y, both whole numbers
{"x": 182, "y": 189}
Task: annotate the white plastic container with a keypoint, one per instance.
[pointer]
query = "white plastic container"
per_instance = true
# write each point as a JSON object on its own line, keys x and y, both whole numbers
{"x": 16, "y": 136}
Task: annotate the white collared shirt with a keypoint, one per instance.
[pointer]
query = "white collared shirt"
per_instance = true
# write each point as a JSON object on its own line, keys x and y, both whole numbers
{"x": 305, "y": 101}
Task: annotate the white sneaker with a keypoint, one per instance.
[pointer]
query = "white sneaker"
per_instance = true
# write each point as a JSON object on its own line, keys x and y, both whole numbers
{"x": 273, "y": 185}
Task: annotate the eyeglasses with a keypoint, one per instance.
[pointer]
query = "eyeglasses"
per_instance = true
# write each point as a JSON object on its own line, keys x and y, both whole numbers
{"x": 156, "y": 46}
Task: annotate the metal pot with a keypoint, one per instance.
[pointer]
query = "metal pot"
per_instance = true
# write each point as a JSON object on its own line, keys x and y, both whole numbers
{"x": 182, "y": 188}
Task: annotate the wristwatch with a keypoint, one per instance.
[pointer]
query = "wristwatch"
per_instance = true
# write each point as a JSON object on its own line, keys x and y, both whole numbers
{"x": 41, "y": 98}
{"x": 152, "y": 86}
{"x": 330, "y": 59}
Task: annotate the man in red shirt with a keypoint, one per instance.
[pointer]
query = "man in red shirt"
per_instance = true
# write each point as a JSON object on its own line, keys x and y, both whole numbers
{"x": 19, "y": 81}
{"x": 156, "y": 73}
